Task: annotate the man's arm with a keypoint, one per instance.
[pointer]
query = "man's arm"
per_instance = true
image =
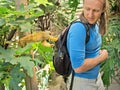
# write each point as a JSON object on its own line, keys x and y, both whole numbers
{"x": 92, "y": 62}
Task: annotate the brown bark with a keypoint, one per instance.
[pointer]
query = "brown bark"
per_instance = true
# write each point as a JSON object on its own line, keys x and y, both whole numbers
{"x": 2, "y": 87}
{"x": 19, "y": 2}
{"x": 31, "y": 82}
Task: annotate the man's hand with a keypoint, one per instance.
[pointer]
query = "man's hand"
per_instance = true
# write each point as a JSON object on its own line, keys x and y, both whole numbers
{"x": 104, "y": 54}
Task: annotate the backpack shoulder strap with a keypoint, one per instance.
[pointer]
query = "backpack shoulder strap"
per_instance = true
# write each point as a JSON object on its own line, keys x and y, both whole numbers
{"x": 87, "y": 27}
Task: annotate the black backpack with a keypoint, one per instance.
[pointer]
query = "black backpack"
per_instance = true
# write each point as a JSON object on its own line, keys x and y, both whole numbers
{"x": 61, "y": 59}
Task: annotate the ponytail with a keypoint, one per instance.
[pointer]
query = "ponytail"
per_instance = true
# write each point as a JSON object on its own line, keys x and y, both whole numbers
{"x": 103, "y": 24}
{"x": 103, "y": 18}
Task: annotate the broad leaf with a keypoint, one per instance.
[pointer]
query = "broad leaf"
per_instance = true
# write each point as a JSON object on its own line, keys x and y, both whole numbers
{"x": 27, "y": 64}
{"x": 16, "y": 77}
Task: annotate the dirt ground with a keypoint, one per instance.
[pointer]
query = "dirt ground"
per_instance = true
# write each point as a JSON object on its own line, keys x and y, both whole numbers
{"x": 58, "y": 83}
{"x": 115, "y": 85}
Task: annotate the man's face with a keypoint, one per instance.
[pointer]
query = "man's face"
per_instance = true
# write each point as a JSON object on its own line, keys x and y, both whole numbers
{"x": 92, "y": 10}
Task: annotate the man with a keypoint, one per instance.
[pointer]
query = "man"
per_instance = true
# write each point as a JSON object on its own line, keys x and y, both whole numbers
{"x": 86, "y": 58}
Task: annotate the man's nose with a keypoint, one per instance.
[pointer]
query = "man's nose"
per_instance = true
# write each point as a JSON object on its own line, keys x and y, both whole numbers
{"x": 90, "y": 14}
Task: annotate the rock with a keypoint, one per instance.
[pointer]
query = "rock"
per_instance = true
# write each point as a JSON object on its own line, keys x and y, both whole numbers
{"x": 57, "y": 84}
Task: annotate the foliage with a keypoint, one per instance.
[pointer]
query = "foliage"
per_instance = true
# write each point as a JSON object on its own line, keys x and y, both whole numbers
{"x": 61, "y": 15}
{"x": 62, "y": 12}
{"x": 73, "y": 4}
{"x": 12, "y": 18}
{"x": 45, "y": 65}
{"x": 114, "y": 6}
{"x": 14, "y": 60}
{"x": 112, "y": 43}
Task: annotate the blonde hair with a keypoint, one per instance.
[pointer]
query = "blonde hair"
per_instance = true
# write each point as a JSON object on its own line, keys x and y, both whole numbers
{"x": 103, "y": 18}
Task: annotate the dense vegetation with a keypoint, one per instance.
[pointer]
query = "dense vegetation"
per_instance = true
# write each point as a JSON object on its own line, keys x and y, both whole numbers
{"x": 16, "y": 63}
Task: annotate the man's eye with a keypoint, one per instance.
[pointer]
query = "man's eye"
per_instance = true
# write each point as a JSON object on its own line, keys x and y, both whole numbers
{"x": 87, "y": 9}
{"x": 96, "y": 10}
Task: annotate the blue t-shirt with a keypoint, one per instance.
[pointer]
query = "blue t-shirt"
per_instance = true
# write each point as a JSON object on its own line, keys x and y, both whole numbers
{"x": 79, "y": 50}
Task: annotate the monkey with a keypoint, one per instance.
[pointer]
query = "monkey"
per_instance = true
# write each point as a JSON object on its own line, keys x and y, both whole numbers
{"x": 40, "y": 36}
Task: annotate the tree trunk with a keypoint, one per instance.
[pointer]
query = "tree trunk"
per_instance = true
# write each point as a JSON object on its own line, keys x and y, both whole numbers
{"x": 2, "y": 87}
{"x": 19, "y": 2}
{"x": 31, "y": 82}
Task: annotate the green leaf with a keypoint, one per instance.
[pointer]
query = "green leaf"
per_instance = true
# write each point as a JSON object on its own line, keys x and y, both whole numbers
{"x": 37, "y": 13}
{"x": 21, "y": 7}
{"x": 30, "y": 6}
{"x": 5, "y": 67}
{"x": 106, "y": 78}
{"x": 27, "y": 64}
{"x": 3, "y": 10}
{"x": 25, "y": 50}
{"x": 44, "y": 2}
{"x": 6, "y": 28}
{"x": 26, "y": 27}
{"x": 2, "y": 22}
{"x": 16, "y": 77}
{"x": 6, "y": 54}
{"x": 20, "y": 18}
